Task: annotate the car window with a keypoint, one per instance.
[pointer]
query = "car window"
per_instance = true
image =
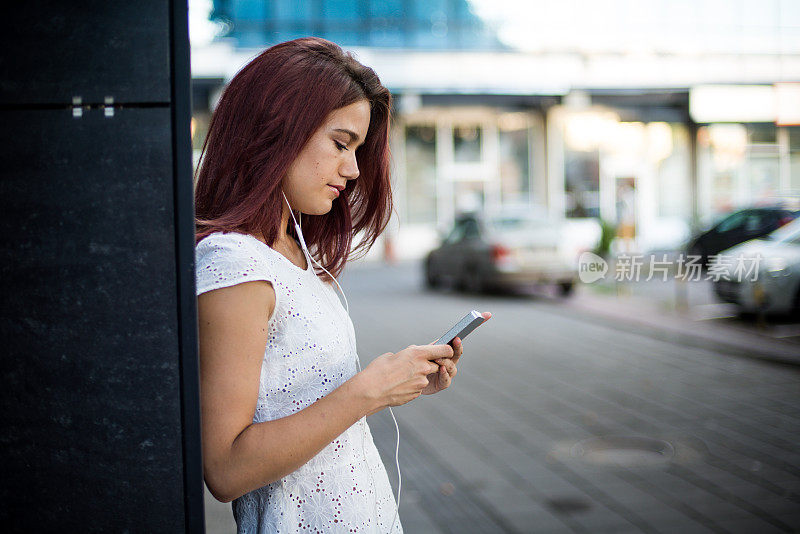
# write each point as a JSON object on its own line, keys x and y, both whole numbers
{"x": 503, "y": 224}
{"x": 471, "y": 229}
{"x": 460, "y": 231}
{"x": 733, "y": 222}
{"x": 508, "y": 223}
{"x": 455, "y": 235}
{"x": 757, "y": 220}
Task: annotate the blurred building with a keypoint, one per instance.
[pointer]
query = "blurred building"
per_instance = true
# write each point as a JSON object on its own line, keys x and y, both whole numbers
{"x": 654, "y": 119}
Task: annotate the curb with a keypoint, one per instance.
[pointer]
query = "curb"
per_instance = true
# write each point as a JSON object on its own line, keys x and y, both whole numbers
{"x": 635, "y": 318}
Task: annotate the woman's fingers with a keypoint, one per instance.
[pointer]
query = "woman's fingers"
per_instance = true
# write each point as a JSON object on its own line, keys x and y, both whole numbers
{"x": 449, "y": 365}
{"x": 443, "y": 351}
{"x": 444, "y": 377}
{"x": 440, "y": 363}
{"x": 458, "y": 349}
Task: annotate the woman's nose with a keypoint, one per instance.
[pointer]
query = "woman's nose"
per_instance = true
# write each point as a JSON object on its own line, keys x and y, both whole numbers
{"x": 349, "y": 167}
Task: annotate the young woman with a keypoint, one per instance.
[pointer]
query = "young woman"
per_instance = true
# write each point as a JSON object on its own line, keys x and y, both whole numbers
{"x": 303, "y": 128}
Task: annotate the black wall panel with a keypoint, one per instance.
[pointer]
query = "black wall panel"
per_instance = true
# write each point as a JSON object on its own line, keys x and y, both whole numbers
{"x": 99, "y": 426}
{"x": 89, "y": 48}
{"x": 87, "y": 270}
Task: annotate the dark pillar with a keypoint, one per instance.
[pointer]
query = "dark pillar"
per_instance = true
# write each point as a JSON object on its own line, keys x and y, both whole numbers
{"x": 693, "y": 174}
{"x": 99, "y": 429}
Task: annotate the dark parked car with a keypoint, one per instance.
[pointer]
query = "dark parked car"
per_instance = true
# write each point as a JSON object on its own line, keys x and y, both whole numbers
{"x": 741, "y": 226}
{"x": 501, "y": 251}
{"x": 775, "y": 286}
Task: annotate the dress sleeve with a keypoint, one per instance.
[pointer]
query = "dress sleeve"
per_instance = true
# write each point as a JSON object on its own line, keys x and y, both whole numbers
{"x": 224, "y": 260}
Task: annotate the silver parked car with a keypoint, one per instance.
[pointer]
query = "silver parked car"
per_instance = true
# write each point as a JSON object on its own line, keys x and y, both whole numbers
{"x": 774, "y": 285}
{"x": 503, "y": 250}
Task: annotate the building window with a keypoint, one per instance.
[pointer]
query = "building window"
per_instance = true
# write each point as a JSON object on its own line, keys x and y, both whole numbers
{"x": 421, "y": 24}
{"x": 794, "y": 158}
{"x": 761, "y": 169}
{"x": 744, "y": 164}
{"x": 341, "y": 11}
{"x": 762, "y": 134}
{"x": 421, "y": 174}
{"x": 514, "y": 166}
{"x": 669, "y": 151}
{"x": 582, "y": 183}
{"x": 467, "y": 144}
{"x": 386, "y": 8}
{"x": 291, "y": 11}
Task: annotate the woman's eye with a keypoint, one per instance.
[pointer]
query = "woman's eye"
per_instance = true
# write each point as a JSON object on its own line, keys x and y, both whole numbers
{"x": 340, "y": 146}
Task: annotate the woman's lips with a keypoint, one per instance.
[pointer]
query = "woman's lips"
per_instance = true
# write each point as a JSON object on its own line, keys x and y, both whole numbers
{"x": 334, "y": 190}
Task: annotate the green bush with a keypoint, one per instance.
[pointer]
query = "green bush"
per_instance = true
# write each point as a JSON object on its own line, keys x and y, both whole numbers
{"x": 608, "y": 232}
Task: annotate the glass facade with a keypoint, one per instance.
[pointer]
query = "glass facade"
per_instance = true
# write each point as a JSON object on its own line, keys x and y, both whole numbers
{"x": 414, "y": 24}
{"x": 465, "y": 159}
{"x": 793, "y": 145}
{"x": 582, "y": 183}
{"x": 467, "y": 144}
{"x": 420, "y": 149}
{"x": 672, "y": 174}
{"x": 514, "y": 148}
{"x": 636, "y": 176}
{"x": 741, "y": 164}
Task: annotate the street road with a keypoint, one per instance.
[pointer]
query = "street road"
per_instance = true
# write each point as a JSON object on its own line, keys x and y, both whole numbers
{"x": 498, "y": 451}
{"x": 558, "y": 422}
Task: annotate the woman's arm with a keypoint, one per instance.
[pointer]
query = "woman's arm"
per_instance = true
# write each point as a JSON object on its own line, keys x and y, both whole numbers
{"x": 240, "y": 456}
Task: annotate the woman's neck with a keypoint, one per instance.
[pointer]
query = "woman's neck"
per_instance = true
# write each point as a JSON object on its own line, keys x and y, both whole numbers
{"x": 283, "y": 229}
{"x": 287, "y": 245}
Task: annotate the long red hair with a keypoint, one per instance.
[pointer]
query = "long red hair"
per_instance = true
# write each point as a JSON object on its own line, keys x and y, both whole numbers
{"x": 264, "y": 118}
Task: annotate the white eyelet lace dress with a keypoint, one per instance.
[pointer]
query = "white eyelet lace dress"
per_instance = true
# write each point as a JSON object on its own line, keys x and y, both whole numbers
{"x": 311, "y": 350}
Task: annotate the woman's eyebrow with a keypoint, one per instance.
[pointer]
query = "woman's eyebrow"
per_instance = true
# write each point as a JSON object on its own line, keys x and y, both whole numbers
{"x": 353, "y": 135}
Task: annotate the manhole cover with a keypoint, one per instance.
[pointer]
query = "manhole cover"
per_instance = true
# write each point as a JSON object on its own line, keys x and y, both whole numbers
{"x": 568, "y": 505}
{"x": 623, "y": 451}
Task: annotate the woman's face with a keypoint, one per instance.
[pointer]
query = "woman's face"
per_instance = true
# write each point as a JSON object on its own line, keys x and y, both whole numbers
{"x": 328, "y": 160}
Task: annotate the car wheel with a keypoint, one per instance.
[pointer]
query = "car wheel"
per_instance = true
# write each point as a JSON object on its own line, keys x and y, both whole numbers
{"x": 796, "y": 307}
{"x": 431, "y": 280}
{"x": 472, "y": 282}
{"x": 565, "y": 289}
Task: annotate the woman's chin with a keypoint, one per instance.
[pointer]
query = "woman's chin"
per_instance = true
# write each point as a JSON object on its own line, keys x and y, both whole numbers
{"x": 322, "y": 208}
{"x": 319, "y": 207}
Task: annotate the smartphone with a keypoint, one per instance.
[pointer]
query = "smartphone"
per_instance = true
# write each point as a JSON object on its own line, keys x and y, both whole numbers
{"x": 462, "y": 328}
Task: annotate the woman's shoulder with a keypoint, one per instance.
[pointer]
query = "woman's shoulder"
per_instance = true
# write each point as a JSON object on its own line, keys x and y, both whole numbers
{"x": 224, "y": 259}
{"x": 223, "y": 240}
{"x": 234, "y": 242}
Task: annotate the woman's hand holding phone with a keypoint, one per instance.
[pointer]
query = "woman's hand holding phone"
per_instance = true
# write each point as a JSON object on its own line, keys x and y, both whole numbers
{"x": 447, "y": 366}
{"x": 397, "y": 378}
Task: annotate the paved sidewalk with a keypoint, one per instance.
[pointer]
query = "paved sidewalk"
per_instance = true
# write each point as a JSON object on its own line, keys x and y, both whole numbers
{"x": 690, "y": 314}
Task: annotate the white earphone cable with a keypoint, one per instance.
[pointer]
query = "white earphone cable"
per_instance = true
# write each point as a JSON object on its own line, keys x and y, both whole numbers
{"x": 358, "y": 363}
{"x": 399, "y": 476}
